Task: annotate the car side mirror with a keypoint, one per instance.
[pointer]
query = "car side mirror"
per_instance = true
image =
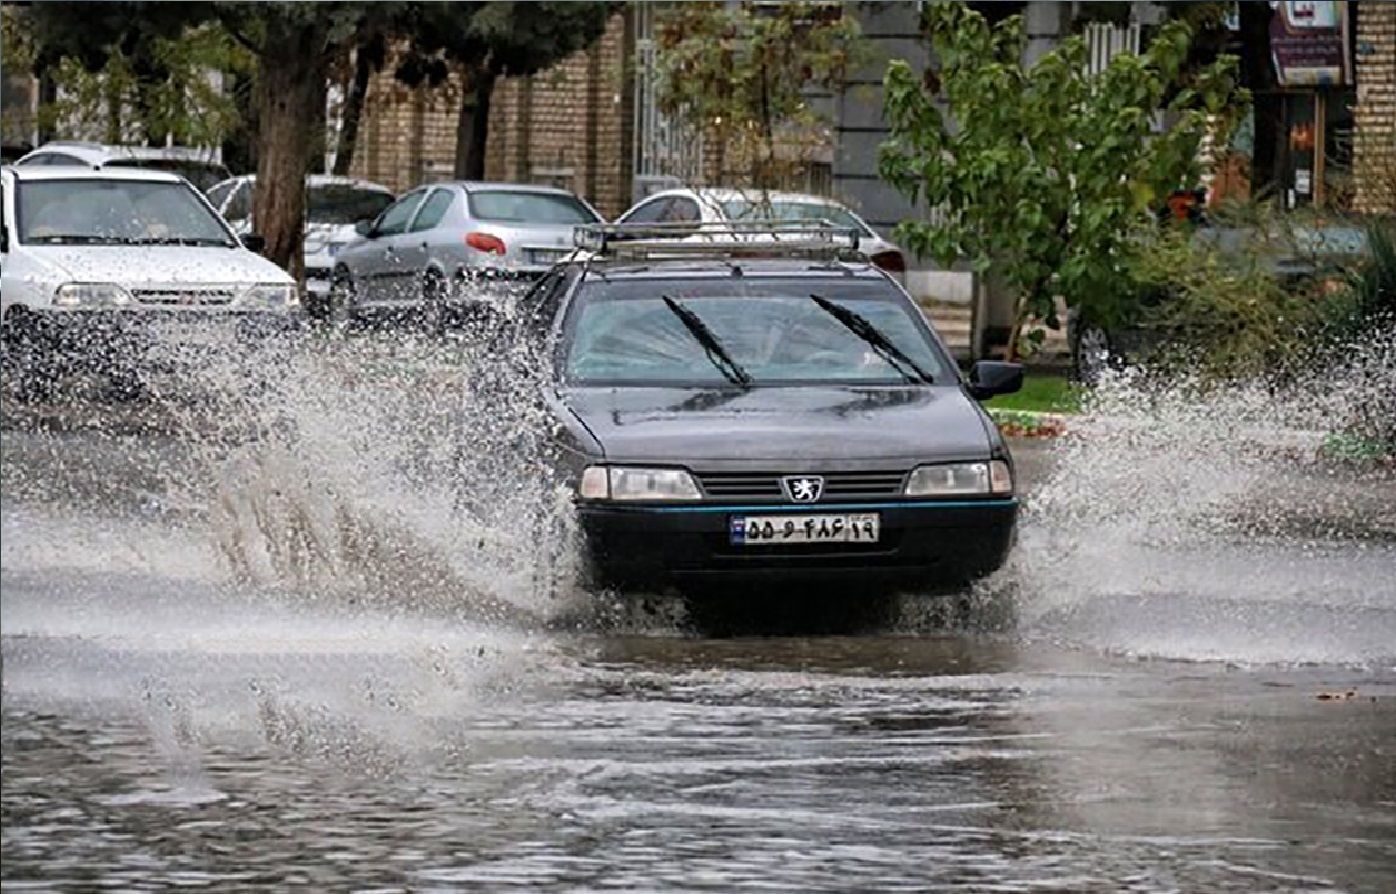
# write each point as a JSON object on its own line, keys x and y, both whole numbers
{"x": 990, "y": 377}
{"x": 364, "y": 228}
{"x": 254, "y": 242}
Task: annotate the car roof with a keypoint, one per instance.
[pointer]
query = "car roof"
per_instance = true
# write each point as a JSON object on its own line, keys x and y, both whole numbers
{"x": 724, "y": 194}
{"x": 76, "y": 172}
{"x": 486, "y": 185}
{"x": 98, "y": 153}
{"x": 314, "y": 180}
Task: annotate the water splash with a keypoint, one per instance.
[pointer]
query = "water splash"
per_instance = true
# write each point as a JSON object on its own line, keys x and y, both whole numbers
{"x": 402, "y": 470}
{"x": 1196, "y": 520}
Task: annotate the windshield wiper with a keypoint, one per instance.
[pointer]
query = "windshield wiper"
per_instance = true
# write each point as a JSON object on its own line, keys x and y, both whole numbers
{"x": 711, "y": 346}
{"x": 858, "y": 324}
{"x": 75, "y": 239}
{"x": 179, "y": 240}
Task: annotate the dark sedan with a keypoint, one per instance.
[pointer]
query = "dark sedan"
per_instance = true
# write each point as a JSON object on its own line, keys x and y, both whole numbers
{"x": 764, "y": 416}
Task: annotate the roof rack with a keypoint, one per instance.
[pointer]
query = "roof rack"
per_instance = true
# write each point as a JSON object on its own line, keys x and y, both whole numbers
{"x": 721, "y": 239}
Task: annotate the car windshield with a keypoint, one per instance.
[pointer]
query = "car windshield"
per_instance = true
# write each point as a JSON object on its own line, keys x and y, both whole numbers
{"x": 119, "y": 212}
{"x": 202, "y": 174}
{"x": 693, "y": 333}
{"x": 743, "y": 209}
{"x": 507, "y": 206}
{"x": 342, "y": 204}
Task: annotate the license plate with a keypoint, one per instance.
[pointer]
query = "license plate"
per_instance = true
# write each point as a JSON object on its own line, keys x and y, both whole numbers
{"x": 775, "y": 530}
{"x": 546, "y": 255}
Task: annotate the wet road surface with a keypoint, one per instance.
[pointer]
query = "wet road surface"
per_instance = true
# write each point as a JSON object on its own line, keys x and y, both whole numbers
{"x": 165, "y": 728}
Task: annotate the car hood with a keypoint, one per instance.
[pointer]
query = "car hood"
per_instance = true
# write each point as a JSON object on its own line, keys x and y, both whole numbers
{"x": 155, "y": 264}
{"x": 817, "y": 426}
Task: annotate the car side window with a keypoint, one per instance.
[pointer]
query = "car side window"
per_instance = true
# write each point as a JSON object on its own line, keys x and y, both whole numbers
{"x": 240, "y": 203}
{"x": 58, "y": 159}
{"x": 433, "y": 210}
{"x": 219, "y": 194}
{"x": 682, "y": 210}
{"x": 394, "y": 218}
{"x": 649, "y": 212}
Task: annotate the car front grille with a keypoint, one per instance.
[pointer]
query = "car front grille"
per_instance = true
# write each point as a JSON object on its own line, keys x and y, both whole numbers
{"x": 767, "y": 485}
{"x": 184, "y": 295}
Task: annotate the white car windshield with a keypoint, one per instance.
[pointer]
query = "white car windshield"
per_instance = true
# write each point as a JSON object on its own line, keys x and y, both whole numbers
{"x": 90, "y": 211}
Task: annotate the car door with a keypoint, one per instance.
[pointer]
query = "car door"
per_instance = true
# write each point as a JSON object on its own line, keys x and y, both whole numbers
{"x": 420, "y": 243}
{"x": 378, "y": 268}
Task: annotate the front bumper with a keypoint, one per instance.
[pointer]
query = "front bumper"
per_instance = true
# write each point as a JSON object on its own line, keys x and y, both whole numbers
{"x": 930, "y": 544}
{"x": 101, "y": 337}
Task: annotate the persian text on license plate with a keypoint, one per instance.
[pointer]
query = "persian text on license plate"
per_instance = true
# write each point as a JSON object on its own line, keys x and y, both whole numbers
{"x": 774, "y": 530}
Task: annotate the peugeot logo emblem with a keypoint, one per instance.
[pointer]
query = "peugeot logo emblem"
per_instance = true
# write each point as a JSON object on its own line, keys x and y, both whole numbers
{"x": 803, "y": 488}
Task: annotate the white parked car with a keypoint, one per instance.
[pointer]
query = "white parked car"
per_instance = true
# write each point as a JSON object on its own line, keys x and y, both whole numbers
{"x": 333, "y": 206}
{"x": 198, "y": 166}
{"x": 711, "y": 206}
{"x": 93, "y": 262}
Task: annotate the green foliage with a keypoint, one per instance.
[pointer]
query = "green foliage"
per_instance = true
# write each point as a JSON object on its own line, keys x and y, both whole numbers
{"x": 168, "y": 92}
{"x": 738, "y": 73}
{"x": 1223, "y": 310}
{"x": 1369, "y": 296}
{"x": 1044, "y": 171}
{"x": 1041, "y": 393}
{"x": 505, "y": 38}
{"x": 131, "y": 72}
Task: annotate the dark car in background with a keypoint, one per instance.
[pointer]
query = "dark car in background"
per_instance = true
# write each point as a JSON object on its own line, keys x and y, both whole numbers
{"x": 762, "y": 410}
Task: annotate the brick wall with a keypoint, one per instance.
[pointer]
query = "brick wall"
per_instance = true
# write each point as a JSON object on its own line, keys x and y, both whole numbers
{"x": 1374, "y": 139}
{"x": 406, "y": 135}
{"x": 569, "y": 126}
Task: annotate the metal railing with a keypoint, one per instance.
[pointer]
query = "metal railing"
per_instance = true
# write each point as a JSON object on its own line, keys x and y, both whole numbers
{"x": 668, "y": 152}
{"x": 1105, "y": 41}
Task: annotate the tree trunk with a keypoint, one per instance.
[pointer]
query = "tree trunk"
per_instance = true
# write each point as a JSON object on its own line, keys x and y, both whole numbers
{"x": 353, "y": 111}
{"x": 472, "y": 127}
{"x": 290, "y": 99}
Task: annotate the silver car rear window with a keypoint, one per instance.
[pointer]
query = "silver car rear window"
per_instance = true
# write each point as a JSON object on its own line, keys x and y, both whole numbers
{"x": 507, "y": 206}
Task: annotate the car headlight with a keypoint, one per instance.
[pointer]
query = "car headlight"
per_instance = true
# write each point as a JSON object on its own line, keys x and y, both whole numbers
{"x": 960, "y": 479}
{"x": 630, "y": 483}
{"x": 91, "y": 294}
{"x": 270, "y": 296}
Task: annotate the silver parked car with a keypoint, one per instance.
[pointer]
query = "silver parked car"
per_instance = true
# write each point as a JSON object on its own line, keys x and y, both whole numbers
{"x": 333, "y": 205}
{"x": 443, "y": 244}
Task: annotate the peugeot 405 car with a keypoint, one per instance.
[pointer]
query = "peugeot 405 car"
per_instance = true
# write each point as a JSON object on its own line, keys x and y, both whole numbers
{"x": 760, "y": 410}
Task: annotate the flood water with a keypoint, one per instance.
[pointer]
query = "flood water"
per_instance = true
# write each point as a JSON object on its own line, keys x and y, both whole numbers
{"x": 322, "y": 663}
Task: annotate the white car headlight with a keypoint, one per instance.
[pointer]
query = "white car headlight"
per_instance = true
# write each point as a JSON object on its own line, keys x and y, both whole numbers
{"x": 960, "y": 479}
{"x": 270, "y": 296}
{"x": 629, "y": 483}
{"x": 91, "y": 294}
